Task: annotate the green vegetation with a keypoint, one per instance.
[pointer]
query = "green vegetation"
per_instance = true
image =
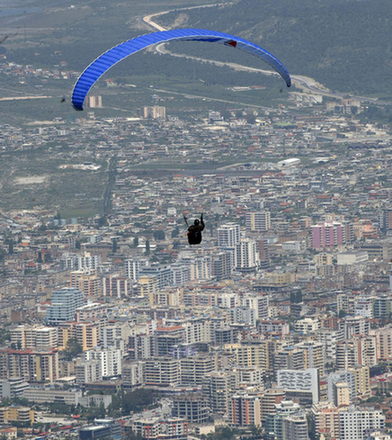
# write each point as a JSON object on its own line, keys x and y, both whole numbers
{"x": 296, "y": 296}
{"x": 5, "y": 336}
{"x": 72, "y": 349}
{"x": 75, "y": 193}
{"x": 134, "y": 401}
{"x": 343, "y": 44}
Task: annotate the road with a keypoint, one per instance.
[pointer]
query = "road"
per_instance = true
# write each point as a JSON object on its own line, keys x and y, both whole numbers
{"x": 149, "y": 18}
{"x": 188, "y": 95}
{"x": 303, "y": 82}
{"x": 18, "y": 98}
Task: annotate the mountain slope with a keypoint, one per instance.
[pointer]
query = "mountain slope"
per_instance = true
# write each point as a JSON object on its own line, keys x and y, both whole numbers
{"x": 344, "y": 44}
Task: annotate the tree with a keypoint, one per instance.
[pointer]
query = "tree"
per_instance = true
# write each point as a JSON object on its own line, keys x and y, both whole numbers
{"x": 137, "y": 400}
{"x": 175, "y": 232}
{"x": 159, "y": 235}
{"x": 11, "y": 247}
{"x": 130, "y": 435}
{"x": 147, "y": 247}
{"x": 103, "y": 221}
{"x": 136, "y": 242}
{"x": 114, "y": 247}
{"x": 342, "y": 313}
{"x": 255, "y": 431}
{"x": 72, "y": 349}
{"x": 296, "y": 296}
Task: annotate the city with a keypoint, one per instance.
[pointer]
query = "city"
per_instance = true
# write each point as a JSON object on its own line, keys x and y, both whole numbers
{"x": 278, "y": 326}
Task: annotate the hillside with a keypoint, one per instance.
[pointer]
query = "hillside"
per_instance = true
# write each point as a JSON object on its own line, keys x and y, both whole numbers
{"x": 344, "y": 44}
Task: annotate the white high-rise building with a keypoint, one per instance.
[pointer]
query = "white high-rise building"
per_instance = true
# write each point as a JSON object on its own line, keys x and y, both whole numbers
{"x": 110, "y": 358}
{"x": 201, "y": 268}
{"x": 354, "y": 325}
{"x": 64, "y": 303}
{"x": 295, "y": 427}
{"x": 245, "y": 255}
{"x": 355, "y": 423}
{"x": 229, "y": 235}
{"x": 304, "y": 380}
{"x": 88, "y": 261}
{"x": 133, "y": 266}
{"x": 181, "y": 273}
{"x": 259, "y": 303}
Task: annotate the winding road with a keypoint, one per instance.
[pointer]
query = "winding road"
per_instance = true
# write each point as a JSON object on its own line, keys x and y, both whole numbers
{"x": 302, "y": 82}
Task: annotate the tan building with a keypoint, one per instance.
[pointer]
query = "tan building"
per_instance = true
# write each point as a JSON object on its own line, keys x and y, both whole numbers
{"x": 324, "y": 420}
{"x": 17, "y": 414}
{"x": 87, "y": 334}
{"x": 89, "y": 284}
{"x": 269, "y": 400}
{"x": 217, "y": 387}
{"x": 165, "y": 298}
{"x": 155, "y": 112}
{"x": 32, "y": 365}
{"x": 362, "y": 380}
{"x": 277, "y": 278}
{"x": 383, "y": 343}
{"x": 359, "y": 350}
{"x": 341, "y": 391}
{"x": 9, "y": 433}
{"x": 25, "y": 336}
{"x": 313, "y": 355}
{"x": 257, "y": 354}
{"x": 194, "y": 368}
{"x": 116, "y": 286}
{"x": 147, "y": 285}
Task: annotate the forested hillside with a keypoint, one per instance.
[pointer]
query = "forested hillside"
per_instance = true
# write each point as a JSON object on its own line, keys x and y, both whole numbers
{"x": 345, "y": 44}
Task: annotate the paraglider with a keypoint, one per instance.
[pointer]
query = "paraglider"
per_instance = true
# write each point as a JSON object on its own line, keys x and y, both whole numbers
{"x": 194, "y": 231}
{"x": 108, "y": 59}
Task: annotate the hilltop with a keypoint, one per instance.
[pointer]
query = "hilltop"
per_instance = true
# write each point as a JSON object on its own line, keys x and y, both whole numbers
{"x": 344, "y": 44}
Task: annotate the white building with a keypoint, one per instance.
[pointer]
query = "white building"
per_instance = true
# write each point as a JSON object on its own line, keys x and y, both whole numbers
{"x": 353, "y": 257}
{"x": 88, "y": 371}
{"x": 294, "y": 246}
{"x": 364, "y": 306}
{"x": 307, "y": 325}
{"x": 132, "y": 374}
{"x": 243, "y": 315}
{"x": 133, "y": 266}
{"x": 181, "y": 274}
{"x": 304, "y": 380}
{"x": 354, "y": 325}
{"x": 340, "y": 376}
{"x": 259, "y": 303}
{"x": 355, "y": 423}
{"x": 229, "y": 235}
{"x": 110, "y": 359}
{"x": 329, "y": 339}
{"x": 246, "y": 257}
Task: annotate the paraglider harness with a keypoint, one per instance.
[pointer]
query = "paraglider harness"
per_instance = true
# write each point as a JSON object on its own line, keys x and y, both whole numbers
{"x": 194, "y": 231}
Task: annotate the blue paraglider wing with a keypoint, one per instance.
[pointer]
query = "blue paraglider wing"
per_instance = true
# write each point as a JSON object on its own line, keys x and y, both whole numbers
{"x": 108, "y": 59}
